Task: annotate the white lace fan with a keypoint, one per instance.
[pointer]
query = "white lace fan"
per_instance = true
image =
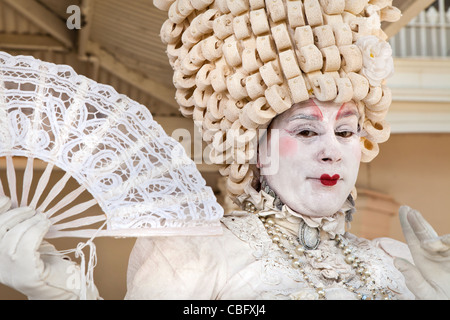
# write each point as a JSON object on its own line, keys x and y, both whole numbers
{"x": 140, "y": 177}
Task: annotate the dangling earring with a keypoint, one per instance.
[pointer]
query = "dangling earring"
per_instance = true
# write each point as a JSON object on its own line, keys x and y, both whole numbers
{"x": 349, "y": 212}
{"x": 266, "y": 188}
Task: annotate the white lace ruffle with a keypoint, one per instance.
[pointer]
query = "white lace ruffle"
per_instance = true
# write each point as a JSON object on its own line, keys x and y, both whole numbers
{"x": 328, "y": 268}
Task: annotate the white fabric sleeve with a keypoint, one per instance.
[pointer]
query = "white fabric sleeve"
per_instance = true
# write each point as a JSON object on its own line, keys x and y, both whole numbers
{"x": 190, "y": 268}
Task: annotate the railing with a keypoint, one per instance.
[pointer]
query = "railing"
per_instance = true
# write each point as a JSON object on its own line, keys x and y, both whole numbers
{"x": 427, "y": 35}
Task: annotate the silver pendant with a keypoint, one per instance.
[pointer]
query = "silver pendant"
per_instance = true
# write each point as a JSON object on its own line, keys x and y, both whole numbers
{"x": 308, "y": 237}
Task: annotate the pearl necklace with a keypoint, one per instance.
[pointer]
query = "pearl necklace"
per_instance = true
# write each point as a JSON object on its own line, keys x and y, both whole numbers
{"x": 297, "y": 254}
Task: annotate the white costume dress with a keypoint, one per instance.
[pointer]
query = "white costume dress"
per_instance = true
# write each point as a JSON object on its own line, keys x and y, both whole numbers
{"x": 244, "y": 263}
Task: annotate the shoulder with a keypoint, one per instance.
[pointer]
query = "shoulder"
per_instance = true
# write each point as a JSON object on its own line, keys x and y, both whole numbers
{"x": 393, "y": 248}
{"x": 390, "y": 247}
{"x": 378, "y": 255}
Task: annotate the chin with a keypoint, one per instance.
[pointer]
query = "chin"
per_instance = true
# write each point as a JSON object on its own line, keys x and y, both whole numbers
{"x": 321, "y": 206}
{"x": 325, "y": 211}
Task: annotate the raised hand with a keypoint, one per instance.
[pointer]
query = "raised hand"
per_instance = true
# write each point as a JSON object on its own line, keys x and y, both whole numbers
{"x": 429, "y": 277}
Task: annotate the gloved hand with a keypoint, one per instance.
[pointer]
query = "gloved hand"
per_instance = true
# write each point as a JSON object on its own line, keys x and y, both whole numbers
{"x": 429, "y": 277}
{"x": 29, "y": 264}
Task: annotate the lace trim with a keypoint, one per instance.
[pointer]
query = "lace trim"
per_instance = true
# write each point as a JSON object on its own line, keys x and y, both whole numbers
{"x": 111, "y": 145}
{"x": 329, "y": 269}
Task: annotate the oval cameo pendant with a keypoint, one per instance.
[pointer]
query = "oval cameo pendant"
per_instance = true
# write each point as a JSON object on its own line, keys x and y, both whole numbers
{"x": 308, "y": 237}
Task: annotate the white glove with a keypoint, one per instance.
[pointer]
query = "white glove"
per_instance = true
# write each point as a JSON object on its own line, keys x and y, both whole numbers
{"x": 28, "y": 264}
{"x": 429, "y": 279}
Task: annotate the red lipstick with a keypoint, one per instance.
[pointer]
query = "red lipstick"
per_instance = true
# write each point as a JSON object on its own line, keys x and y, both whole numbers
{"x": 327, "y": 180}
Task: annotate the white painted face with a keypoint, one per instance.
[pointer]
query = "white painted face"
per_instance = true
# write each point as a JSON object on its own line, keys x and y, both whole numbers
{"x": 318, "y": 156}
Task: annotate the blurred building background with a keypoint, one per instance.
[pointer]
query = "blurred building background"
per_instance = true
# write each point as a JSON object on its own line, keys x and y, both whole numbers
{"x": 118, "y": 44}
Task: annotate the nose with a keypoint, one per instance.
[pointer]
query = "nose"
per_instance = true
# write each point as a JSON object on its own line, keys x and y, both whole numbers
{"x": 330, "y": 151}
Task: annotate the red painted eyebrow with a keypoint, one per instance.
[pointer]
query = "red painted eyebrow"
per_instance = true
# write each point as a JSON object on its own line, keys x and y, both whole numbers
{"x": 317, "y": 113}
{"x": 345, "y": 112}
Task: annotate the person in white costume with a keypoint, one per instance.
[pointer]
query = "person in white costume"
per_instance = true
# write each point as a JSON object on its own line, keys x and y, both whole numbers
{"x": 260, "y": 256}
{"x": 312, "y": 73}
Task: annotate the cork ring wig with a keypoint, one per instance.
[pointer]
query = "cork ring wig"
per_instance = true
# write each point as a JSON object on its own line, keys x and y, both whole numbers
{"x": 239, "y": 63}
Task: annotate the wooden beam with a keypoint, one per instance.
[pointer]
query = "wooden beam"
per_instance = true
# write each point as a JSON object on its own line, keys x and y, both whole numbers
{"x": 410, "y": 9}
{"x": 87, "y": 10}
{"x": 30, "y": 42}
{"x": 108, "y": 62}
{"x": 45, "y": 19}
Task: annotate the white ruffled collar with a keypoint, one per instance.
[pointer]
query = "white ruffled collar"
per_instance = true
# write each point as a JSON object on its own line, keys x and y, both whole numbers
{"x": 290, "y": 219}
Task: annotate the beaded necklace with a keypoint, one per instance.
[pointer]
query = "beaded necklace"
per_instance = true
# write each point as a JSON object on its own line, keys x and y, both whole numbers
{"x": 298, "y": 254}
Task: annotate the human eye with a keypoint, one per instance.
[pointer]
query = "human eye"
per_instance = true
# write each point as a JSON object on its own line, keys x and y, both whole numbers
{"x": 347, "y": 130}
{"x": 305, "y": 130}
{"x": 305, "y": 133}
{"x": 345, "y": 134}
